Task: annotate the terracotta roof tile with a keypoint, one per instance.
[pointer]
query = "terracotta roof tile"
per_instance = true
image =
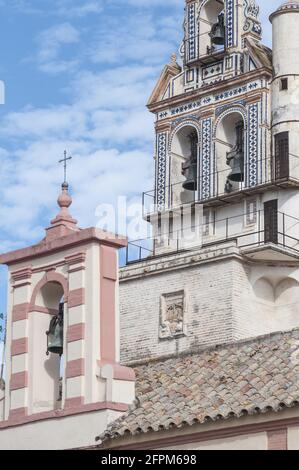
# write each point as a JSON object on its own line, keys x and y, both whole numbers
{"x": 248, "y": 377}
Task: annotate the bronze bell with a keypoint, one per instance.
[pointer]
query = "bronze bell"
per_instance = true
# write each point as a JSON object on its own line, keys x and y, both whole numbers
{"x": 55, "y": 333}
{"x": 235, "y": 158}
{"x": 189, "y": 168}
{"x": 217, "y": 33}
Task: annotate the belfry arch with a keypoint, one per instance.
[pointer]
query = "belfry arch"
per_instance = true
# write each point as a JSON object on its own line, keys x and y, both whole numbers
{"x": 46, "y": 382}
{"x": 209, "y": 13}
{"x": 184, "y": 153}
{"x": 230, "y": 137}
{"x": 51, "y": 281}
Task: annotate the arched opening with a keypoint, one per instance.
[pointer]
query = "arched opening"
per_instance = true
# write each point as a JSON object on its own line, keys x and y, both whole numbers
{"x": 230, "y": 153}
{"x": 184, "y": 165}
{"x": 277, "y": 304}
{"x": 47, "y": 362}
{"x": 287, "y": 303}
{"x": 211, "y": 27}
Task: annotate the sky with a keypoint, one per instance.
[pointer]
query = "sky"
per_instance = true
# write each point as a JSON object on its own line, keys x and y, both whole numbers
{"x": 78, "y": 74}
{"x": 1, "y": 353}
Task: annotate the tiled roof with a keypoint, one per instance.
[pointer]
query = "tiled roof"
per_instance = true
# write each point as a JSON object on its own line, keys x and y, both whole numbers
{"x": 248, "y": 377}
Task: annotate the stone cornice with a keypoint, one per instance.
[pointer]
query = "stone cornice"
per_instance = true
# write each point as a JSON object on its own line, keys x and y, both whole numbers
{"x": 207, "y": 90}
{"x": 180, "y": 260}
{"x": 44, "y": 248}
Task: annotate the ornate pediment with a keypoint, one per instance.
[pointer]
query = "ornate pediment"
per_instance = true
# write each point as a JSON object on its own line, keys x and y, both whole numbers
{"x": 170, "y": 71}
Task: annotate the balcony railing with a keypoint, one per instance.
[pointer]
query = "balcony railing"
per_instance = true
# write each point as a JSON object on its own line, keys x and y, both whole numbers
{"x": 247, "y": 230}
{"x": 214, "y": 191}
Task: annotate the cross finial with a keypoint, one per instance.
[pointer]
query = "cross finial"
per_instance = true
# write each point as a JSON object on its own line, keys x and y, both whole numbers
{"x": 64, "y": 161}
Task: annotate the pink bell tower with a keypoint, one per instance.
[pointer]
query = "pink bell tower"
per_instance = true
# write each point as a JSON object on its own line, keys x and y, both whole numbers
{"x": 54, "y": 402}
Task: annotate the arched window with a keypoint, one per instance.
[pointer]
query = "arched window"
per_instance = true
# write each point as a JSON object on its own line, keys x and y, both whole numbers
{"x": 211, "y": 27}
{"x": 184, "y": 165}
{"x": 230, "y": 153}
{"x": 47, "y": 380}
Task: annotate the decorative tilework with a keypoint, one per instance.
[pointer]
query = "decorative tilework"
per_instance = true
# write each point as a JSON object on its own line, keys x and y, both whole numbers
{"x": 252, "y": 21}
{"x": 230, "y": 30}
{"x": 197, "y": 104}
{"x": 205, "y": 163}
{"x": 211, "y": 71}
{"x": 161, "y": 169}
{"x": 253, "y": 122}
{"x": 221, "y": 109}
{"x": 191, "y": 32}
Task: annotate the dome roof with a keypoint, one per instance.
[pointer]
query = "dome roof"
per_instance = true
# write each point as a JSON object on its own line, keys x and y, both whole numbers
{"x": 286, "y": 7}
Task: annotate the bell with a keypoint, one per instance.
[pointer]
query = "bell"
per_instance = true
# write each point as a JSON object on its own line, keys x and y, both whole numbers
{"x": 217, "y": 33}
{"x": 55, "y": 334}
{"x": 235, "y": 158}
{"x": 237, "y": 173}
{"x": 189, "y": 168}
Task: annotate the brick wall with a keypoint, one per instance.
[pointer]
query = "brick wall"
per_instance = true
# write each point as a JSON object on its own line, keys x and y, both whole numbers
{"x": 277, "y": 440}
{"x": 208, "y": 289}
{"x": 222, "y": 301}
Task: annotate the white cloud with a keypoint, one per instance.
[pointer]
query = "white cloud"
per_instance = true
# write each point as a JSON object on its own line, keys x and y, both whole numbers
{"x": 69, "y": 8}
{"x": 109, "y": 134}
{"x": 102, "y": 122}
{"x": 136, "y": 38}
{"x": 50, "y": 43}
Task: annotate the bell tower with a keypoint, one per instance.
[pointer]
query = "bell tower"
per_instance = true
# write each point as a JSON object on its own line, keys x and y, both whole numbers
{"x": 215, "y": 32}
{"x": 226, "y": 142}
{"x": 213, "y": 114}
{"x": 285, "y": 88}
{"x": 62, "y": 358}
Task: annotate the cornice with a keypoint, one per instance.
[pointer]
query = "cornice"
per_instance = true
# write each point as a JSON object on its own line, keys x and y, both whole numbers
{"x": 215, "y": 88}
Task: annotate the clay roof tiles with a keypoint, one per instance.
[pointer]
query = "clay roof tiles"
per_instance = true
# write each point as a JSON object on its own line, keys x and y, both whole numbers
{"x": 243, "y": 378}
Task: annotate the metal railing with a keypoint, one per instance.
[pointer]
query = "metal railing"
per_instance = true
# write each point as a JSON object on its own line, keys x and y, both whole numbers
{"x": 175, "y": 196}
{"x": 247, "y": 230}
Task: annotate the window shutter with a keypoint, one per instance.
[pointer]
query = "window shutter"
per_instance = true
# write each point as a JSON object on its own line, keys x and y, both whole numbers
{"x": 282, "y": 155}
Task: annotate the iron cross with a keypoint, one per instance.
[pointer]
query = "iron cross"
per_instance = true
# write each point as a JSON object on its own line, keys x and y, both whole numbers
{"x": 64, "y": 161}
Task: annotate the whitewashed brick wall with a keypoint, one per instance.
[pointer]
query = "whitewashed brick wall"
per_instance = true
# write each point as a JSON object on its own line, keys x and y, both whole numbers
{"x": 209, "y": 316}
{"x": 223, "y": 302}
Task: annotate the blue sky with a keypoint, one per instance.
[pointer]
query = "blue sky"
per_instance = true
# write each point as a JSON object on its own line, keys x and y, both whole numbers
{"x": 77, "y": 76}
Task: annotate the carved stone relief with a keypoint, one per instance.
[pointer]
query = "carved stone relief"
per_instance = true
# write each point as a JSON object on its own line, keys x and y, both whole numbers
{"x": 172, "y": 315}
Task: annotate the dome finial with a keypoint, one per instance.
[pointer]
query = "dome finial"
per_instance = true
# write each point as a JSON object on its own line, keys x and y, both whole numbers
{"x": 63, "y": 224}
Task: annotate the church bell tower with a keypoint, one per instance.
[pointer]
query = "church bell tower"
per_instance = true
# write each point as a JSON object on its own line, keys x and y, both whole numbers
{"x": 63, "y": 377}
{"x": 226, "y": 142}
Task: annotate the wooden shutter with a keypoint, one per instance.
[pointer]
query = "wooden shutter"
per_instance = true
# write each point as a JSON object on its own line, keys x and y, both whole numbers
{"x": 282, "y": 155}
{"x": 271, "y": 221}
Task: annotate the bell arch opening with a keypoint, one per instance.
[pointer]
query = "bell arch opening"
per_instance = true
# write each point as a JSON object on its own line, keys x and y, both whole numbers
{"x": 230, "y": 153}
{"x": 184, "y": 158}
{"x": 46, "y": 346}
{"x": 211, "y": 27}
